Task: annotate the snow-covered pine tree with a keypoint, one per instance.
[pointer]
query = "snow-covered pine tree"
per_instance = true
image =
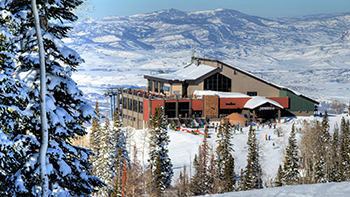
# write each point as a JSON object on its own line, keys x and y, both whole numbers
{"x": 119, "y": 154}
{"x": 69, "y": 168}
{"x": 159, "y": 141}
{"x": 103, "y": 163}
{"x": 94, "y": 138}
{"x": 223, "y": 153}
{"x": 200, "y": 181}
{"x": 14, "y": 138}
{"x": 253, "y": 171}
{"x": 291, "y": 165}
{"x": 335, "y": 175}
{"x": 344, "y": 165}
{"x": 278, "y": 180}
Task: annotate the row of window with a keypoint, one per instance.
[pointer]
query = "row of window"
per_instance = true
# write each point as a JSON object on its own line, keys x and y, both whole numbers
{"x": 158, "y": 87}
{"x": 132, "y": 105}
{"x": 129, "y": 117}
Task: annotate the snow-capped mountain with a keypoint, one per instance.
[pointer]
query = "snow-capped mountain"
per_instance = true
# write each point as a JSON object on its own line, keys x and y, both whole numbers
{"x": 309, "y": 54}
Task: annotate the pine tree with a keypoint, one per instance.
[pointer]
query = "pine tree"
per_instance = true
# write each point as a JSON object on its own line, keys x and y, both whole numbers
{"x": 253, "y": 172}
{"x": 279, "y": 177}
{"x": 291, "y": 165}
{"x": 229, "y": 175}
{"x": 197, "y": 182}
{"x": 103, "y": 163}
{"x": 182, "y": 185}
{"x": 159, "y": 158}
{"x": 224, "y": 152}
{"x": 94, "y": 138}
{"x": 14, "y": 137}
{"x": 67, "y": 111}
{"x": 200, "y": 181}
{"x": 335, "y": 175}
{"x": 118, "y": 151}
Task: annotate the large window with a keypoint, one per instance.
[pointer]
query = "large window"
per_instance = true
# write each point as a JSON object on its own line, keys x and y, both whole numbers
{"x": 218, "y": 82}
{"x": 150, "y": 85}
{"x": 125, "y": 103}
{"x": 156, "y": 86}
{"x": 135, "y": 105}
{"x": 140, "y": 107}
{"x": 130, "y": 104}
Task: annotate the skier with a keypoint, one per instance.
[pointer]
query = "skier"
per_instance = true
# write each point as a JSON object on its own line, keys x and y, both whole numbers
{"x": 269, "y": 137}
{"x": 265, "y": 136}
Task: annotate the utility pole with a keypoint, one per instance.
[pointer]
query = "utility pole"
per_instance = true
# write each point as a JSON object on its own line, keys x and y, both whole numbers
{"x": 44, "y": 131}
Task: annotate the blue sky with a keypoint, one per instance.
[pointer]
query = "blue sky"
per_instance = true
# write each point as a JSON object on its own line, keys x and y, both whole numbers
{"x": 263, "y": 8}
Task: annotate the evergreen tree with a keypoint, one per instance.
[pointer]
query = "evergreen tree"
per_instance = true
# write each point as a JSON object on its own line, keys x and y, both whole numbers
{"x": 229, "y": 175}
{"x": 279, "y": 177}
{"x": 182, "y": 185}
{"x": 200, "y": 181}
{"x": 159, "y": 158}
{"x": 291, "y": 165}
{"x": 335, "y": 175}
{"x": 14, "y": 137}
{"x": 103, "y": 163}
{"x": 69, "y": 166}
{"x": 197, "y": 183}
{"x": 344, "y": 166}
{"x": 119, "y": 154}
{"x": 94, "y": 138}
{"x": 253, "y": 172}
{"x": 223, "y": 153}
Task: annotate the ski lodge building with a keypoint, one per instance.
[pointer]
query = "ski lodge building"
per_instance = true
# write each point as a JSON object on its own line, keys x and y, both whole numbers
{"x": 208, "y": 89}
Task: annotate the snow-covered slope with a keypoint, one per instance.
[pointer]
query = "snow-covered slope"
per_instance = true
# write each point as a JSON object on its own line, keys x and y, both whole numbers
{"x": 320, "y": 190}
{"x": 183, "y": 147}
{"x": 309, "y": 54}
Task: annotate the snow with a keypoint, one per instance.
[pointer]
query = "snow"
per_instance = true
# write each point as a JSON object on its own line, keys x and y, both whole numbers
{"x": 257, "y": 101}
{"x": 325, "y": 189}
{"x": 183, "y": 146}
{"x": 200, "y": 93}
{"x": 191, "y": 72}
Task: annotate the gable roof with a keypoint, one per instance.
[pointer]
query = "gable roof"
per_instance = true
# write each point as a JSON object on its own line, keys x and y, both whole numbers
{"x": 258, "y": 78}
{"x": 189, "y": 73}
{"x": 257, "y": 101}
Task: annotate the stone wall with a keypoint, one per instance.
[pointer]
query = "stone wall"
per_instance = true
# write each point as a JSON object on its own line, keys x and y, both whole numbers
{"x": 211, "y": 106}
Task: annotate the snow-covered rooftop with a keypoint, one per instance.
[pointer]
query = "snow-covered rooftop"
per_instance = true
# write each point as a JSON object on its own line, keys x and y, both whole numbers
{"x": 220, "y": 94}
{"x": 191, "y": 72}
{"x": 257, "y": 101}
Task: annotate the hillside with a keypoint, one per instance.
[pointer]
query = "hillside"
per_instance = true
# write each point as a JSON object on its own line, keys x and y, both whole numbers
{"x": 308, "y": 54}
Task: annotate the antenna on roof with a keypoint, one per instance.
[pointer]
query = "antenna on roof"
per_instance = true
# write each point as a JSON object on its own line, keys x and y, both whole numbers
{"x": 203, "y": 55}
{"x": 193, "y": 52}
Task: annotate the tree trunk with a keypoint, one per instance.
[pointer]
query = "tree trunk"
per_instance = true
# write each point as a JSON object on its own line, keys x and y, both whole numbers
{"x": 44, "y": 131}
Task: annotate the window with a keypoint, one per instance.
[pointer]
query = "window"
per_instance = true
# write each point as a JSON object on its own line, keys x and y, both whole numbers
{"x": 125, "y": 103}
{"x": 252, "y": 93}
{"x": 140, "y": 107}
{"x": 218, "y": 82}
{"x": 135, "y": 105}
{"x": 130, "y": 104}
{"x": 161, "y": 87}
{"x": 150, "y": 86}
{"x": 156, "y": 86}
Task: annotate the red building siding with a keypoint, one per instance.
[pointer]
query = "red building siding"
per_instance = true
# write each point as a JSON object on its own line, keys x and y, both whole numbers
{"x": 284, "y": 101}
{"x": 233, "y": 103}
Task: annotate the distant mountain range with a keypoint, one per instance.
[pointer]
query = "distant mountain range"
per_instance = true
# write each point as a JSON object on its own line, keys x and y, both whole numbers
{"x": 310, "y": 54}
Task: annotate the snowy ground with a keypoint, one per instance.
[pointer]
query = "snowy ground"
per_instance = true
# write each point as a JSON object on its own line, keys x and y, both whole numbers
{"x": 320, "y": 190}
{"x": 184, "y": 146}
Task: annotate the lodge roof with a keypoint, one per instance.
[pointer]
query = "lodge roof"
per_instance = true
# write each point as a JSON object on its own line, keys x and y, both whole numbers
{"x": 258, "y": 78}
